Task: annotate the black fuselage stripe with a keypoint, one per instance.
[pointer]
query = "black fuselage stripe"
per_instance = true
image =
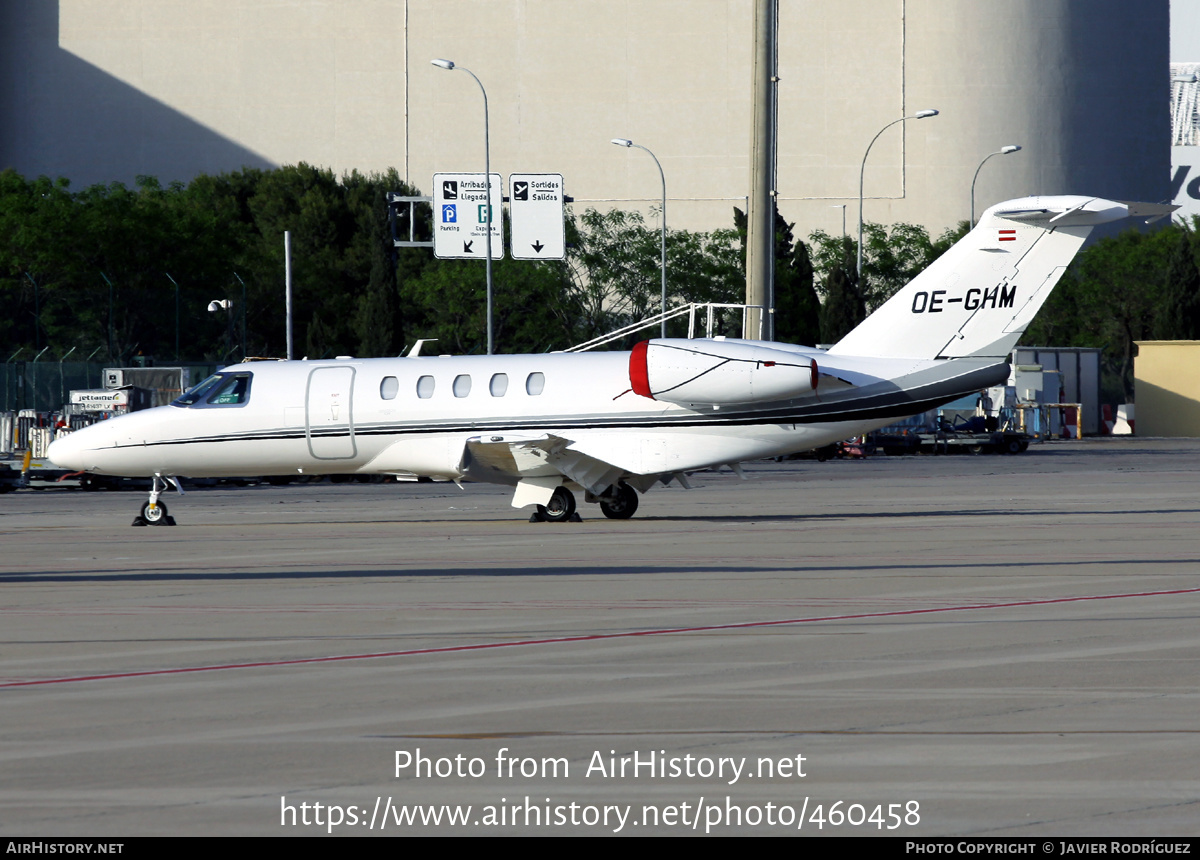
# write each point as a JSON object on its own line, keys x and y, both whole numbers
{"x": 907, "y": 407}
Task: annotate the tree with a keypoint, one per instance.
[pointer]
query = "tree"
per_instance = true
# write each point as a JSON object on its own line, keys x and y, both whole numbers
{"x": 844, "y": 306}
{"x": 797, "y": 305}
{"x": 892, "y": 256}
{"x": 614, "y": 265}
{"x": 533, "y": 306}
{"x": 1110, "y": 297}
{"x": 1180, "y": 316}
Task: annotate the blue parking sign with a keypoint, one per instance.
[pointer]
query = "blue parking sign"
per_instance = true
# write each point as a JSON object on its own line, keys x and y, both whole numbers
{"x": 449, "y": 213}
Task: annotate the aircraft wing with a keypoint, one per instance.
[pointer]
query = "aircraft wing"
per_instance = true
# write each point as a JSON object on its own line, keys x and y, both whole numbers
{"x": 514, "y": 455}
{"x": 537, "y": 461}
{"x": 537, "y": 464}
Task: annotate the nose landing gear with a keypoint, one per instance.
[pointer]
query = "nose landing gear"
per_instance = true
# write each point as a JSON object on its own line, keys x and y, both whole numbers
{"x": 154, "y": 512}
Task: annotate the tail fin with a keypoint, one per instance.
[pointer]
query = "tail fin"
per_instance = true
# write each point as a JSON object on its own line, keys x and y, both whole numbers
{"x": 979, "y": 297}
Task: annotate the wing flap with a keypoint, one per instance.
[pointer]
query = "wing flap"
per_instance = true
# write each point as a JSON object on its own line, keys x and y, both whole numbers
{"x": 536, "y": 462}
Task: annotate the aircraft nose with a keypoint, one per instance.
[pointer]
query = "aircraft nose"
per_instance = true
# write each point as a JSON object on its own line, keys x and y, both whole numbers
{"x": 66, "y": 452}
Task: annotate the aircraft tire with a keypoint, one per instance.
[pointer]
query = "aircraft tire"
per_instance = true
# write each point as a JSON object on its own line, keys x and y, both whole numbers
{"x": 562, "y": 505}
{"x": 156, "y": 516}
{"x": 623, "y": 505}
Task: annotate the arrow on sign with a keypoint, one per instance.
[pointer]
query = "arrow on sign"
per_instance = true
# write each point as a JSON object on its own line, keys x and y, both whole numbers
{"x": 537, "y": 246}
{"x": 467, "y": 246}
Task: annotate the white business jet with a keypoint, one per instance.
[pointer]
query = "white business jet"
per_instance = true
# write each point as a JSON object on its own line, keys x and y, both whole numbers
{"x": 612, "y": 424}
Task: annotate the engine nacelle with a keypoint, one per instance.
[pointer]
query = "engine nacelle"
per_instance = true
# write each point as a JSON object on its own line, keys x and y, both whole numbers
{"x": 676, "y": 370}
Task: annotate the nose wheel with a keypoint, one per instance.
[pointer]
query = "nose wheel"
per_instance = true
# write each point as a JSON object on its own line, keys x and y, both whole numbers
{"x": 154, "y": 512}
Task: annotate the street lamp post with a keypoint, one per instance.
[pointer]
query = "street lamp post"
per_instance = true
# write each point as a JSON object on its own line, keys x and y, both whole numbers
{"x": 1004, "y": 150}
{"x": 227, "y": 306}
{"x": 621, "y": 141}
{"x": 62, "y": 397}
{"x": 35, "y": 387}
{"x": 243, "y": 283}
{"x": 921, "y": 114}
{"x": 176, "y": 283}
{"x": 487, "y": 184}
{"x": 37, "y": 311}
{"x": 841, "y": 206}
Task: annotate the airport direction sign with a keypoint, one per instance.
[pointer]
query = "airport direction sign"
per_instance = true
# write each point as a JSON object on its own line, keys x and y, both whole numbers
{"x": 535, "y": 204}
{"x": 460, "y": 216}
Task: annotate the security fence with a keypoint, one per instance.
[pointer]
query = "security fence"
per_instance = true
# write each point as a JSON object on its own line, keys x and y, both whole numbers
{"x": 46, "y": 385}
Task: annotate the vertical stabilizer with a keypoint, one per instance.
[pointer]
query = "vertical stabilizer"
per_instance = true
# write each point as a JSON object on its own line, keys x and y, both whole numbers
{"x": 978, "y": 297}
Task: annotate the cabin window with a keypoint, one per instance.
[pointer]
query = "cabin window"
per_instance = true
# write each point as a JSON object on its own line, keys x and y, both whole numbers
{"x": 499, "y": 384}
{"x": 535, "y": 383}
{"x": 462, "y": 385}
{"x": 389, "y": 388}
{"x": 425, "y": 387}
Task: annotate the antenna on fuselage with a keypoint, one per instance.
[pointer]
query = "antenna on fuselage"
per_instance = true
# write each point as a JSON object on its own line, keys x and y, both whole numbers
{"x": 416, "y": 349}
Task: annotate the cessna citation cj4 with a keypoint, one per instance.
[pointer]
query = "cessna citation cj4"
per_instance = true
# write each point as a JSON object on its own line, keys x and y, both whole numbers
{"x": 612, "y": 424}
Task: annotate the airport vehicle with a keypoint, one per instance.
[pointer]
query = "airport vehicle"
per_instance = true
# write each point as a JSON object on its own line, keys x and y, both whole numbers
{"x": 972, "y": 437}
{"x": 613, "y": 424}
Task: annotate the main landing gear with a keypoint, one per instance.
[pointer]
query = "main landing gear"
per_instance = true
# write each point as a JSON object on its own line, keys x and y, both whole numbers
{"x": 560, "y": 508}
{"x": 154, "y": 512}
{"x": 620, "y": 502}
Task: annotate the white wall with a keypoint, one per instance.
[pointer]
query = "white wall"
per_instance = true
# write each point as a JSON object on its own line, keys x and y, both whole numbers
{"x": 102, "y": 90}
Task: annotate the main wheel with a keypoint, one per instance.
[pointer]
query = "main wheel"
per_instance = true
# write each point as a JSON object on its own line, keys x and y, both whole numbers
{"x": 560, "y": 508}
{"x": 154, "y": 515}
{"x": 622, "y": 505}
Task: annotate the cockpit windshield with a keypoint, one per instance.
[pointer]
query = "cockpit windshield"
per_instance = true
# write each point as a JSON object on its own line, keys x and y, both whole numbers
{"x": 220, "y": 389}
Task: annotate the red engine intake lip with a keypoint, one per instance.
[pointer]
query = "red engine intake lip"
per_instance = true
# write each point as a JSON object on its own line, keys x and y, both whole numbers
{"x": 639, "y": 373}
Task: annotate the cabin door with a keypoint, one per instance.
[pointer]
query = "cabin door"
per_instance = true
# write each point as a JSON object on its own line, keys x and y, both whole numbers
{"x": 329, "y": 419}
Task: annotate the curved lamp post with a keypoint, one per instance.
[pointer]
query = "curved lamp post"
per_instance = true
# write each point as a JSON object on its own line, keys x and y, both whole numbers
{"x": 921, "y": 114}
{"x": 621, "y": 141}
{"x": 487, "y": 184}
{"x": 1004, "y": 150}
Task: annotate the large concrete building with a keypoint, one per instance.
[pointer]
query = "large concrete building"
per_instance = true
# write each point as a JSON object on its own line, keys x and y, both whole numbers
{"x": 104, "y": 90}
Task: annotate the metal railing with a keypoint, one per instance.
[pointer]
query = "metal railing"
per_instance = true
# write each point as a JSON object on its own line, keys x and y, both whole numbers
{"x": 673, "y": 313}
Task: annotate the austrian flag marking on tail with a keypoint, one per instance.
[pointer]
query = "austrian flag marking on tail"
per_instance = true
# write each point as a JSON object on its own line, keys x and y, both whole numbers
{"x": 1008, "y": 235}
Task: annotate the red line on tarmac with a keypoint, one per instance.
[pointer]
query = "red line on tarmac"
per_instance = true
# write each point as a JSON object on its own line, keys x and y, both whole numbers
{"x": 593, "y": 637}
